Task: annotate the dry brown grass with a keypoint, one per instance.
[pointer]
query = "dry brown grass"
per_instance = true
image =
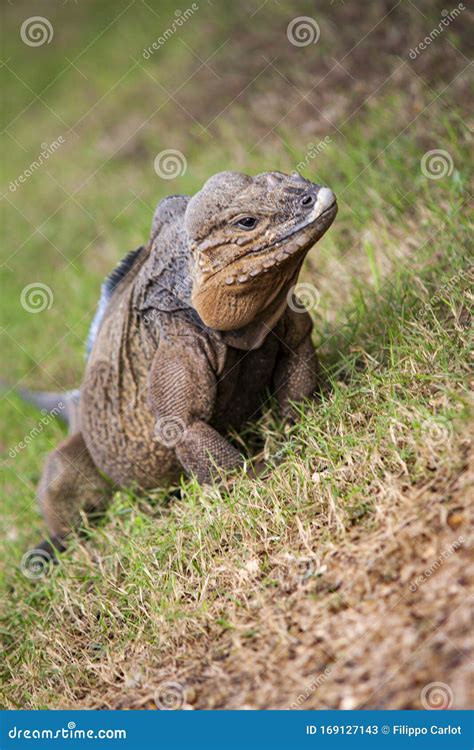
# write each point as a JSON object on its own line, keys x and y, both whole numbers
{"x": 338, "y": 621}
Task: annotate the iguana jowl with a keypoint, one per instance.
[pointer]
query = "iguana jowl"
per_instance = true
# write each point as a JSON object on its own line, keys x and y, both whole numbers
{"x": 190, "y": 332}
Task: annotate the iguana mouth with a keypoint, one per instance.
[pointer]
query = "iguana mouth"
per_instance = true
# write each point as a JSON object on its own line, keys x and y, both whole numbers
{"x": 294, "y": 231}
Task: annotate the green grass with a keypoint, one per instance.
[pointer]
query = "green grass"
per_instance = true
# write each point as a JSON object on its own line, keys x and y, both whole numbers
{"x": 161, "y": 575}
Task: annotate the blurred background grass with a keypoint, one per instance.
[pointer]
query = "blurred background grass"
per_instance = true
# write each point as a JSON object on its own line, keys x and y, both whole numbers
{"x": 229, "y": 91}
{"x": 247, "y": 108}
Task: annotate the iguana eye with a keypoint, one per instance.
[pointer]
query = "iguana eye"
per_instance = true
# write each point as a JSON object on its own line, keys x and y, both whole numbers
{"x": 248, "y": 222}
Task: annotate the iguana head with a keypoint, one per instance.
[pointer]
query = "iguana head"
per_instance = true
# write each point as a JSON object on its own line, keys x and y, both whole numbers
{"x": 248, "y": 237}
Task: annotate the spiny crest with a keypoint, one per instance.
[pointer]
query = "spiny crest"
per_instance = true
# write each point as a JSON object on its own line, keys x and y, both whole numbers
{"x": 110, "y": 283}
{"x": 120, "y": 271}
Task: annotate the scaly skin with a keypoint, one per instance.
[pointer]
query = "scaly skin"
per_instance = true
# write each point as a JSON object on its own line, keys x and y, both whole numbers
{"x": 191, "y": 337}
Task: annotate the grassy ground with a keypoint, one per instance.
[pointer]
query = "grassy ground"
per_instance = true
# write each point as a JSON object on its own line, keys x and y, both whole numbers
{"x": 340, "y": 580}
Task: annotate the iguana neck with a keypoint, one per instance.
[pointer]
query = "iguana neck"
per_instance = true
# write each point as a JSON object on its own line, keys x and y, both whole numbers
{"x": 165, "y": 285}
{"x": 252, "y": 335}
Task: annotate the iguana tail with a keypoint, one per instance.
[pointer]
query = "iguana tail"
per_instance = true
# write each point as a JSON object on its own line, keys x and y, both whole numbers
{"x": 64, "y": 406}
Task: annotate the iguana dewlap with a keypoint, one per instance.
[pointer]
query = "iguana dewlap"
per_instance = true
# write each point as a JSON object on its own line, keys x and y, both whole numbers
{"x": 192, "y": 332}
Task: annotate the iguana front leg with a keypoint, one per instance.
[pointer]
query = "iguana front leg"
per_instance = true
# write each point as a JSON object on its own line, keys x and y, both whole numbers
{"x": 297, "y": 373}
{"x": 182, "y": 393}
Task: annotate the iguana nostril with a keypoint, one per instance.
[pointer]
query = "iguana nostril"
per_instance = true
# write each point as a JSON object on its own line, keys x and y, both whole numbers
{"x": 307, "y": 200}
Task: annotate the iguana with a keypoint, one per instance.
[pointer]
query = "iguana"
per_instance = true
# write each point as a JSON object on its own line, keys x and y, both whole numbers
{"x": 191, "y": 330}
